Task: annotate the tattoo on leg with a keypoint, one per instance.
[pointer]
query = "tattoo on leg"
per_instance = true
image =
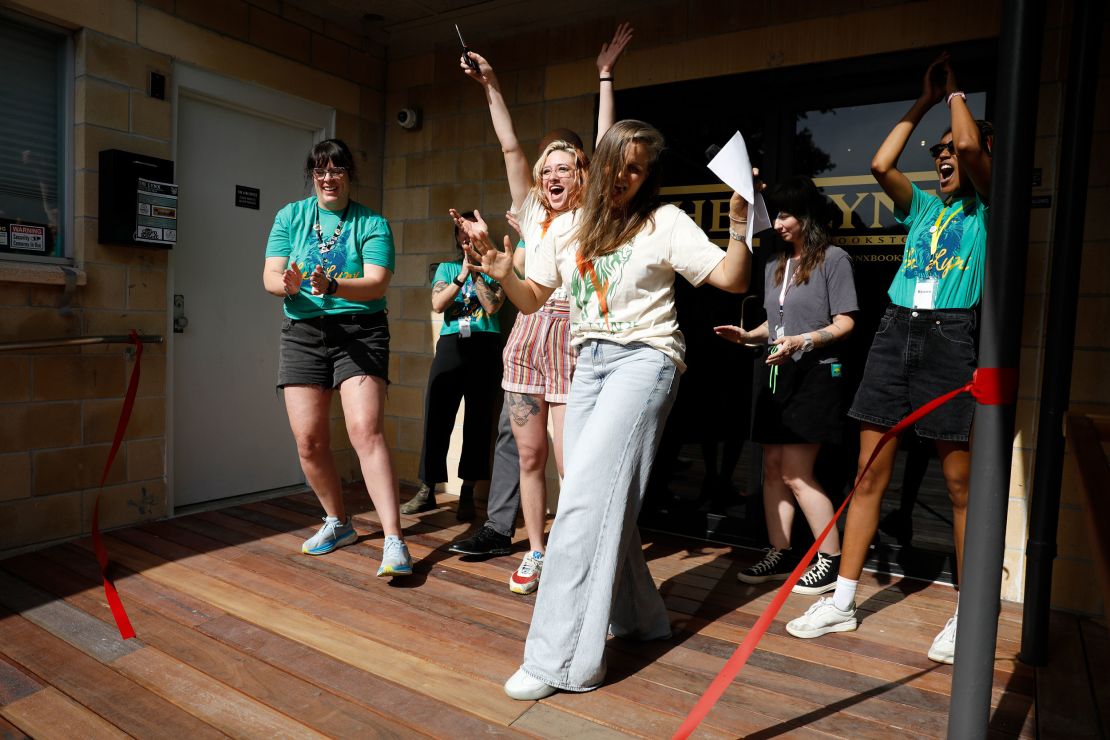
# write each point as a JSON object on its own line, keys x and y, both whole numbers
{"x": 521, "y": 406}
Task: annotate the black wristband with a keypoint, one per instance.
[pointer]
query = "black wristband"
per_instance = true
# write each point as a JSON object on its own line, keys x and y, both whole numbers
{"x": 605, "y": 79}
{"x": 333, "y": 285}
{"x": 458, "y": 282}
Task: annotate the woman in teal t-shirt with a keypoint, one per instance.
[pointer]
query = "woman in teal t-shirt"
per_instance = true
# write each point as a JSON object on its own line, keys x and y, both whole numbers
{"x": 331, "y": 260}
{"x": 467, "y": 365}
{"x": 927, "y": 340}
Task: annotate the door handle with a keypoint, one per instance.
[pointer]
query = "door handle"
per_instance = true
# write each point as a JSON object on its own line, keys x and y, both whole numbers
{"x": 180, "y": 321}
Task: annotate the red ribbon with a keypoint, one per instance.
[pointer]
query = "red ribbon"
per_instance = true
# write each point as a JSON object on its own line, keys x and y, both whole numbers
{"x": 991, "y": 386}
{"x": 126, "y": 631}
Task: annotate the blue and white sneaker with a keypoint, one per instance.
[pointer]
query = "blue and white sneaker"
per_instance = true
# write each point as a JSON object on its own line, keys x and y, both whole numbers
{"x": 396, "y": 560}
{"x": 332, "y": 535}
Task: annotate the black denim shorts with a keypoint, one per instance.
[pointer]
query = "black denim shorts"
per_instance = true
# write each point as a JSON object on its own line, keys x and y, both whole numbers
{"x": 327, "y": 350}
{"x": 918, "y": 355}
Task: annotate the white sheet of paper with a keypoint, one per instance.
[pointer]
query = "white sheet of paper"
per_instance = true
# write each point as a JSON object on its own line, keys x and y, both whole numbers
{"x": 758, "y": 220}
{"x": 733, "y": 166}
{"x": 735, "y": 170}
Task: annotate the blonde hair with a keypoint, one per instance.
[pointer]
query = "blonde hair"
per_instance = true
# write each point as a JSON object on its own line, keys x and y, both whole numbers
{"x": 603, "y": 227}
{"x": 581, "y": 164}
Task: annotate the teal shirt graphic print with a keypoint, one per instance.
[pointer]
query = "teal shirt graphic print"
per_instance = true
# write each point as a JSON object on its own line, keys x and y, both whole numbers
{"x": 945, "y": 243}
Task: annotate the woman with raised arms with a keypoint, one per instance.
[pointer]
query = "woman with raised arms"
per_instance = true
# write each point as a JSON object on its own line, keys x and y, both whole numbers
{"x": 617, "y": 257}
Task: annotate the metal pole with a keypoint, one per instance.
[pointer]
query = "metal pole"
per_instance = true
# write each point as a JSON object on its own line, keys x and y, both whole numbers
{"x": 78, "y": 341}
{"x": 1067, "y": 254}
{"x": 1000, "y": 345}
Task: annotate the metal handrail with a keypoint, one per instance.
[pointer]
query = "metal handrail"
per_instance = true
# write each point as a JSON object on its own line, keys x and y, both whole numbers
{"x": 79, "y": 341}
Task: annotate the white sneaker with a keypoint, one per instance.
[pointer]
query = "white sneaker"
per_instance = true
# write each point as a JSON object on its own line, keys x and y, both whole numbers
{"x": 526, "y": 578}
{"x": 333, "y": 534}
{"x": 821, "y": 619}
{"x": 525, "y": 688}
{"x": 396, "y": 560}
{"x": 944, "y": 644}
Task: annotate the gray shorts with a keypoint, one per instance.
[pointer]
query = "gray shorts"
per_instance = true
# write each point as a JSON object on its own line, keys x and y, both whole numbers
{"x": 326, "y": 350}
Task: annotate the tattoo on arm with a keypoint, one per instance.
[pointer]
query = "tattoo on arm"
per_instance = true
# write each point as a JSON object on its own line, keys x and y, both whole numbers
{"x": 492, "y": 298}
{"x": 439, "y": 287}
{"x": 826, "y": 337}
{"x": 522, "y": 406}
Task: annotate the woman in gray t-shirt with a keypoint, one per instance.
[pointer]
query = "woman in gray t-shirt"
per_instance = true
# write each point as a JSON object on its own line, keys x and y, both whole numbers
{"x": 800, "y": 404}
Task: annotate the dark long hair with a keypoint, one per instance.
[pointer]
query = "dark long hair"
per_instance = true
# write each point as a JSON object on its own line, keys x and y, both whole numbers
{"x": 603, "y": 227}
{"x": 334, "y": 150}
{"x": 800, "y": 198}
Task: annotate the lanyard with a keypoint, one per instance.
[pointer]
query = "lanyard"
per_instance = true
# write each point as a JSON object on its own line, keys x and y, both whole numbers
{"x": 937, "y": 229}
{"x": 326, "y": 245}
{"x": 786, "y": 284}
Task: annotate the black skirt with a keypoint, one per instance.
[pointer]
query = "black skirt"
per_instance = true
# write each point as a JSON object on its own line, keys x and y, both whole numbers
{"x": 806, "y": 403}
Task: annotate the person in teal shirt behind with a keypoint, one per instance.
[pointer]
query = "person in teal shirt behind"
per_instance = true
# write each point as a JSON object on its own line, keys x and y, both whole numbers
{"x": 927, "y": 340}
{"x": 331, "y": 261}
{"x": 467, "y": 366}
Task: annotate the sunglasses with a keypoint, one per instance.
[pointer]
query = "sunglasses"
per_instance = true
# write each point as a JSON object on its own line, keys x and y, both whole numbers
{"x": 937, "y": 149}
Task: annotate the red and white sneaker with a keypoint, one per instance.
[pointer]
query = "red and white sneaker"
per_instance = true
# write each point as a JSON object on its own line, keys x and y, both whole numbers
{"x": 526, "y": 579}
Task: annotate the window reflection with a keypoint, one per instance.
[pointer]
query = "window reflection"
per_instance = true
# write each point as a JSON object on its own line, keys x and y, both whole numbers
{"x": 835, "y": 146}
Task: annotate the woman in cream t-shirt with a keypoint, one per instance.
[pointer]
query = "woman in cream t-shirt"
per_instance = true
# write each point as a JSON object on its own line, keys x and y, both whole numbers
{"x": 617, "y": 259}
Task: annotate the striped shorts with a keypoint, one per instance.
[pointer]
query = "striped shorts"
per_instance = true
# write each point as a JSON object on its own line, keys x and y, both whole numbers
{"x": 538, "y": 357}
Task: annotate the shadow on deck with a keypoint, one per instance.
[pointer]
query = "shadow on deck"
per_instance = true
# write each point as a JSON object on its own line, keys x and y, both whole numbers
{"x": 239, "y": 634}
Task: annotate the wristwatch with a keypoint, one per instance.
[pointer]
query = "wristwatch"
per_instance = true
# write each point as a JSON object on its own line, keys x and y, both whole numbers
{"x": 808, "y": 339}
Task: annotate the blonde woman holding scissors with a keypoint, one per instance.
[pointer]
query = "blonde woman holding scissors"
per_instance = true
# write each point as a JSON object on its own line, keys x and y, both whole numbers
{"x": 538, "y": 360}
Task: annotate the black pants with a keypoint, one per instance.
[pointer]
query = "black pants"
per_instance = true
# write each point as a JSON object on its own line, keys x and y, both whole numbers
{"x": 468, "y": 369}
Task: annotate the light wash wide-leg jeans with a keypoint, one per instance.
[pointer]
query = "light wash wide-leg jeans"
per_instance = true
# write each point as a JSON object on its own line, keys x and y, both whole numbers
{"x": 595, "y": 577}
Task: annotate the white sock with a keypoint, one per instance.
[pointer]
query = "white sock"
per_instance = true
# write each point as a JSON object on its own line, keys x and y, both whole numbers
{"x": 845, "y": 594}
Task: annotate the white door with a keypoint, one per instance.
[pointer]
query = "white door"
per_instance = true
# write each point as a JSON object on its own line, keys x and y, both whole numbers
{"x": 230, "y": 435}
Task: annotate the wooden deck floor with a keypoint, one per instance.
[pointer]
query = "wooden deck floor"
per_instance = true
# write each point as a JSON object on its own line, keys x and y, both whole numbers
{"x": 241, "y": 635}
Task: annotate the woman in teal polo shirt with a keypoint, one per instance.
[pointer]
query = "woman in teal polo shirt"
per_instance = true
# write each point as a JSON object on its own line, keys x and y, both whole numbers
{"x": 331, "y": 260}
{"x": 926, "y": 343}
{"x": 467, "y": 365}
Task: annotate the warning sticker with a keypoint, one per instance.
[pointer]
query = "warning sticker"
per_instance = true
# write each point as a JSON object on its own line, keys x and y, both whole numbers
{"x": 27, "y": 238}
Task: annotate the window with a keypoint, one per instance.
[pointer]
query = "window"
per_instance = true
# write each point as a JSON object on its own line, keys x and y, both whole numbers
{"x": 33, "y": 71}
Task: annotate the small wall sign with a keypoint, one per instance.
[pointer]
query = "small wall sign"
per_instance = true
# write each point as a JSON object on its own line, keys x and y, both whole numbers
{"x": 247, "y": 197}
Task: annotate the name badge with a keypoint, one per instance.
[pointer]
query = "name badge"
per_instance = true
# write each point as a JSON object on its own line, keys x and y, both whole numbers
{"x": 780, "y": 332}
{"x": 924, "y": 295}
{"x": 464, "y": 327}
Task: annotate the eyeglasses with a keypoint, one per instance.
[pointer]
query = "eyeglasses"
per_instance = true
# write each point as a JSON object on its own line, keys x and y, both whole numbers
{"x": 937, "y": 149}
{"x": 335, "y": 172}
{"x": 562, "y": 172}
